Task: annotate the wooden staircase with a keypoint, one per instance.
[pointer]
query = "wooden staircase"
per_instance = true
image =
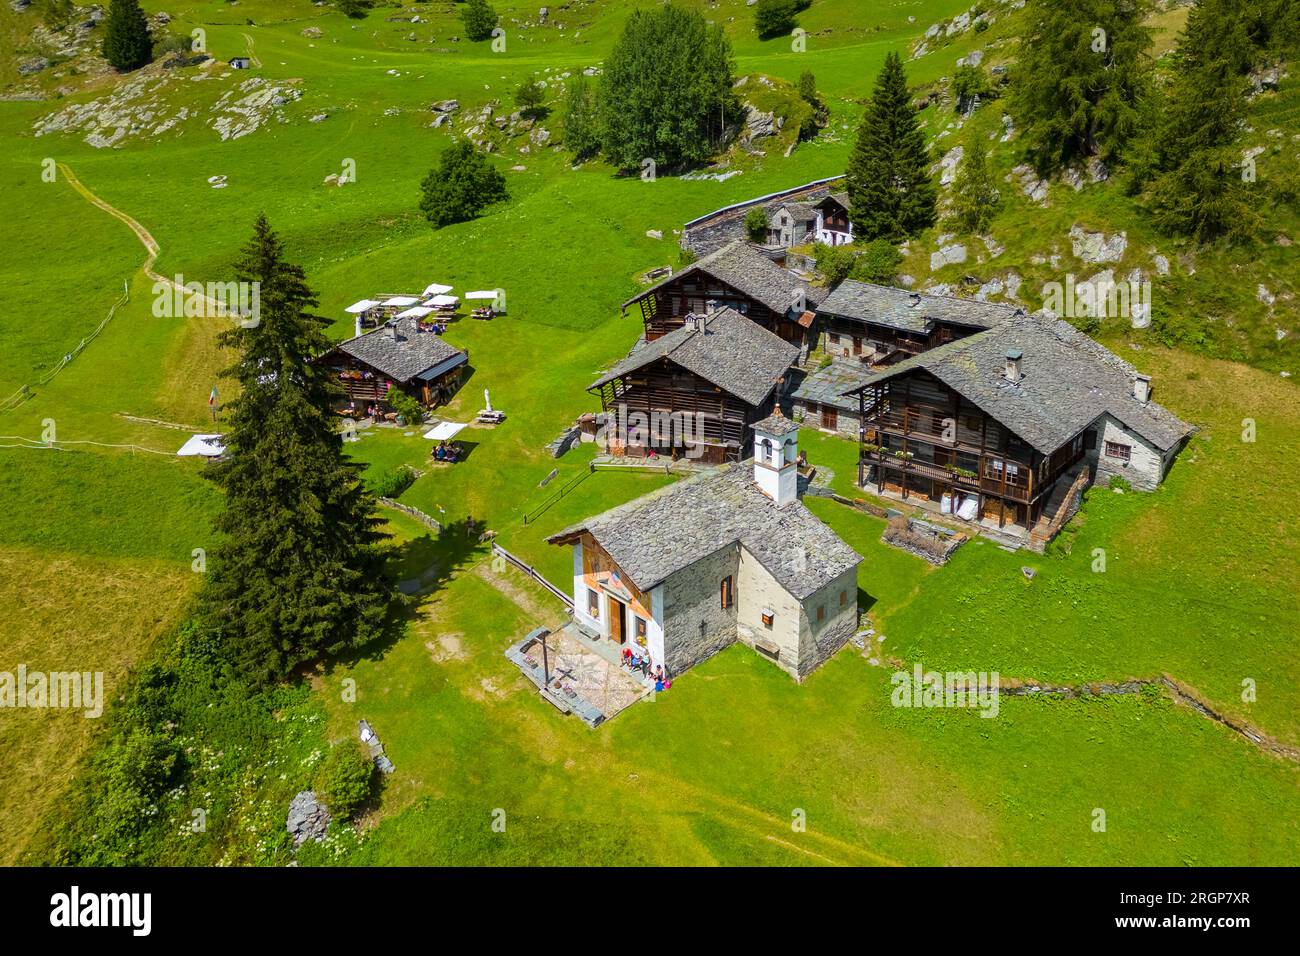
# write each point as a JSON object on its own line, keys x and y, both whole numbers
{"x": 1060, "y": 507}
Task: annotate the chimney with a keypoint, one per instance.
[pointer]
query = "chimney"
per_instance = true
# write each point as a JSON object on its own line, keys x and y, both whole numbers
{"x": 916, "y": 299}
{"x": 1013, "y": 366}
{"x": 1142, "y": 388}
{"x": 390, "y": 329}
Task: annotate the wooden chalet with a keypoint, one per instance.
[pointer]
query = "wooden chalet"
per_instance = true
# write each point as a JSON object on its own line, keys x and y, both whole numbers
{"x": 695, "y": 391}
{"x": 398, "y": 356}
{"x": 880, "y": 325}
{"x": 739, "y": 277}
{"x": 1006, "y": 427}
{"x": 832, "y": 225}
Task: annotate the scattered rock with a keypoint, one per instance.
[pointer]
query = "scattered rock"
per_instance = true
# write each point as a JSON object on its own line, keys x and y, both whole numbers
{"x": 312, "y": 33}
{"x": 1262, "y": 293}
{"x": 1095, "y": 247}
{"x": 947, "y": 255}
{"x": 949, "y": 164}
{"x": 1031, "y": 184}
{"x": 655, "y": 233}
{"x": 308, "y": 818}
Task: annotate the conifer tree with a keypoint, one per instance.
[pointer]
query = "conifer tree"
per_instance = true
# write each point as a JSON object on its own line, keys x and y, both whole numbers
{"x": 1200, "y": 190}
{"x": 298, "y": 572}
{"x": 127, "y": 45}
{"x": 1081, "y": 73}
{"x": 975, "y": 197}
{"x": 891, "y": 193}
{"x": 581, "y": 117}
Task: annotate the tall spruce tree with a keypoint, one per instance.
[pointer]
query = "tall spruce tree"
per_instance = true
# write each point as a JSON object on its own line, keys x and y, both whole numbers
{"x": 891, "y": 193}
{"x": 127, "y": 45}
{"x": 1200, "y": 190}
{"x": 666, "y": 89}
{"x": 1081, "y": 73}
{"x": 298, "y": 572}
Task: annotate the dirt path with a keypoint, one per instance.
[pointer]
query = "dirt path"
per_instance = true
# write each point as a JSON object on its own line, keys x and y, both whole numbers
{"x": 144, "y": 235}
{"x": 252, "y": 57}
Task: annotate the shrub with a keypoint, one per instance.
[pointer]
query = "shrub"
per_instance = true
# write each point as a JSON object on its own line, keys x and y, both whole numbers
{"x": 581, "y": 117}
{"x": 774, "y": 17}
{"x": 479, "y": 20}
{"x": 834, "y": 262}
{"x": 355, "y": 9}
{"x": 878, "y": 262}
{"x": 529, "y": 97}
{"x": 756, "y": 224}
{"x": 461, "y": 186}
{"x": 405, "y": 406}
{"x": 345, "y": 779}
{"x": 393, "y": 482}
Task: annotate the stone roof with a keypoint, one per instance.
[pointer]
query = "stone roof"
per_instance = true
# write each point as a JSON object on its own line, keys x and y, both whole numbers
{"x": 1067, "y": 381}
{"x": 842, "y": 198}
{"x": 742, "y": 267}
{"x": 775, "y": 424}
{"x": 909, "y": 311}
{"x": 799, "y": 212}
{"x": 672, "y": 528}
{"x": 829, "y": 385}
{"x": 404, "y": 357}
{"x": 730, "y": 351}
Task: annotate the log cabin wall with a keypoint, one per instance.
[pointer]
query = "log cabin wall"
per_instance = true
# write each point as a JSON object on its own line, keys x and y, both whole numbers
{"x": 921, "y": 438}
{"x": 719, "y": 420}
{"x": 666, "y": 309}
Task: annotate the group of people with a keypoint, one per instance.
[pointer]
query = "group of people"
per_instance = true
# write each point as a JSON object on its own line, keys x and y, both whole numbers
{"x": 639, "y": 660}
{"x": 448, "y": 451}
{"x": 436, "y": 327}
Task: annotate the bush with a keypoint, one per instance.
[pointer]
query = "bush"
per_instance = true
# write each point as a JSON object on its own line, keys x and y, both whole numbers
{"x": 774, "y": 17}
{"x": 834, "y": 262}
{"x": 392, "y": 482}
{"x": 461, "y": 186}
{"x": 529, "y": 96}
{"x": 878, "y": 262}
{"x": 355, "y": 9}
{"x": 479, "y": 20}
{"x": 756, "y": 224}
{"x": 345, "y": 779}
{"x": 408, "y": 408}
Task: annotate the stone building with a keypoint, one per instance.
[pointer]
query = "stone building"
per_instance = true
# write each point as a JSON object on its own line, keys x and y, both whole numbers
{"x": 732, "y": 555}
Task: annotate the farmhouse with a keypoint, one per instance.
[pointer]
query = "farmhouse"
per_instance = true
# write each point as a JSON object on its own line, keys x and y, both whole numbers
{"x": 791, "y": 224}
{"x": 709, "y": 233}
{"x": 880, "y": 325}
{"x": 730, "y": 556}
{"x": 865, "y": 327}
{"x": 400, "y": 356}
{"x": 737, "y": 276}
{"x": 696, "y": 391}
{"x": 832, "y": 225}
{"x": 1008, "y": 426}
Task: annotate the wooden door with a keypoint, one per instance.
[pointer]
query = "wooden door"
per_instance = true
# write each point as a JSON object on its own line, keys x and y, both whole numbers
{"x": 617, "y": 621}
{"x": 830, "y": 417}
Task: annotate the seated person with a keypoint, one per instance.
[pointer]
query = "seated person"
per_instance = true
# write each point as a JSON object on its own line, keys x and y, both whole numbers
{"x": 440, "y": 453}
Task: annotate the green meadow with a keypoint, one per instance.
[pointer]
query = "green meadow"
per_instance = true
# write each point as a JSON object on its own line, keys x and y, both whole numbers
{"x": 97, "y": 539}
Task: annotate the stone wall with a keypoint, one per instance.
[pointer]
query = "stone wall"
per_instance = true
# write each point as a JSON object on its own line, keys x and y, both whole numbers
{"x": 696, "y": 626}
{"x": 759, "y": 591}
{"x": 809, "y": 414}
{"x": 1145, "y": 468}
{"x": 818, "y": 640}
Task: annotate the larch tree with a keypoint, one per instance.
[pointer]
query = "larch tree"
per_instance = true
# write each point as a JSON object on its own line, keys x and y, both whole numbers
{"x": 1082, "y": 71}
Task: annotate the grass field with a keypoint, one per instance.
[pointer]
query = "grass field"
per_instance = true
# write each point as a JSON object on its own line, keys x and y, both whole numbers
{"x": 95, "y": 553}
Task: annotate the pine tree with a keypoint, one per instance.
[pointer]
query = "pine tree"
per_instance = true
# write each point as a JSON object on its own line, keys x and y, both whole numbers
{"x": 1200, "y": 190}
{"x": 298, "y": 572}
{"x": 479, "y": 20}
{"x": 975, "y": 197}
{"x": 127, "y": 45}
{"x": 891, "y": 193}
{"x": 1081, "y": 73}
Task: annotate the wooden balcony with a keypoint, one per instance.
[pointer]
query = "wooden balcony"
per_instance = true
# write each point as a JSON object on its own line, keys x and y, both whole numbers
{"x": 1017, "y": 490}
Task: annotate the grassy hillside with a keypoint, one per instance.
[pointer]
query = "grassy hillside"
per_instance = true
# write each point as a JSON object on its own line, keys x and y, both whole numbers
{"x": 94, "y": 562}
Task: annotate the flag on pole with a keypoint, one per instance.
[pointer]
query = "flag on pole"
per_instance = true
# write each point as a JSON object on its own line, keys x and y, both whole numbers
{"x": 212, "y": 397}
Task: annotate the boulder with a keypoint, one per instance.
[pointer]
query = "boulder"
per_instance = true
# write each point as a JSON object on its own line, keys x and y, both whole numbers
{"x": 1096, "y": 247}
{"x": 308, "y": 818}
{"x": 947, "y": 255}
